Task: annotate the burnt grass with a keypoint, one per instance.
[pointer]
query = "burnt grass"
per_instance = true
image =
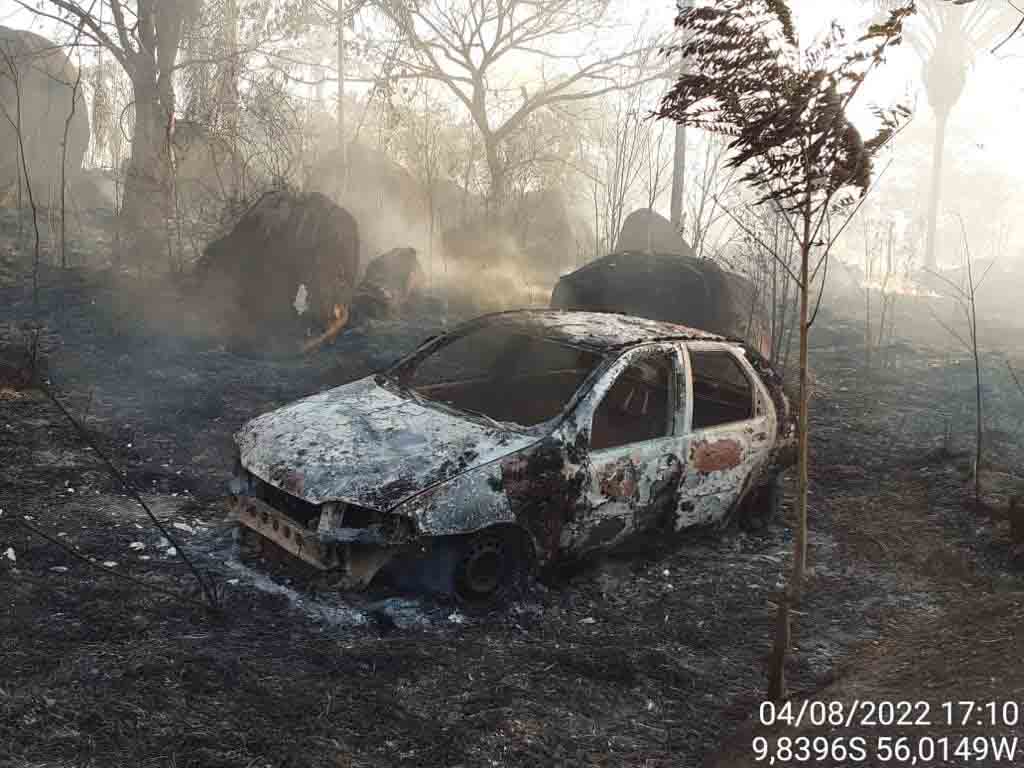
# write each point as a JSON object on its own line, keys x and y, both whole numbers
{"x": 652, "y": 659}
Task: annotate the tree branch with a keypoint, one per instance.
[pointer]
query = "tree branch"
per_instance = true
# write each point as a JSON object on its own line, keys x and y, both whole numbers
{"x": 83, "y": 17}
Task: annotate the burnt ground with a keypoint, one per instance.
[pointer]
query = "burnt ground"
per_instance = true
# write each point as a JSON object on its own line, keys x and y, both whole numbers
{"x": 653, "y": 660}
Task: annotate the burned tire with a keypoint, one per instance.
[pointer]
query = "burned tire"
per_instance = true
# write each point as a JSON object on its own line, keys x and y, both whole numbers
{"x": 493, "y": 566}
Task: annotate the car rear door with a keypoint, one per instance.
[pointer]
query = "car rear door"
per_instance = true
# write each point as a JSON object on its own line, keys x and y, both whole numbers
{"x": 731, "y": 430}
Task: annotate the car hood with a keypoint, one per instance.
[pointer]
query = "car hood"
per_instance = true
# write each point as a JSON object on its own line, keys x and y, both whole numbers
{"x": 368, "y": 445}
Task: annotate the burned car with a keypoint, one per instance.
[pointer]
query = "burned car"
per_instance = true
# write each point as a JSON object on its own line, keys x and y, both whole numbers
{"x": 511, "y": 442}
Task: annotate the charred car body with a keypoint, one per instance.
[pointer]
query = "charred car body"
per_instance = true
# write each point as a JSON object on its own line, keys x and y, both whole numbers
{"x": 510, "y": 442}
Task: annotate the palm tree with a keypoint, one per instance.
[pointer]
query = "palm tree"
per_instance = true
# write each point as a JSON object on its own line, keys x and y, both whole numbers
{"x": 947, "y": 36}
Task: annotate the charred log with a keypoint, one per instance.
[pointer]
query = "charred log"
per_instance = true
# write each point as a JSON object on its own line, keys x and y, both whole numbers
{"x": 391, "y": 281}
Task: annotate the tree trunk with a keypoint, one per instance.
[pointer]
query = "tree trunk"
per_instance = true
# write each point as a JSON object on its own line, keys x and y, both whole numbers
{"x": 979, "y": 422}
{"x": 885, "y": 298}
{"x": 342, "y": 143}
{"x": 496, "y": 169}
{"x": 144, "y": 211}
{"x": 794, "y": 590}
{"x": 773, "y": 350}
{"x": 678, "y": 177}
{"x": 867, "y": 321}
{"x": 938, "y": 153}
{"x": 679, "y": 154}
{"x": 800, "y": 553}
{"x": 891, "y": 332}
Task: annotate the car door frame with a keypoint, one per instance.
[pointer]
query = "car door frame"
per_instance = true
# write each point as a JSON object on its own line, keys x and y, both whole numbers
{"x": 624, "y": 482}
{"x": 721, "y": 459}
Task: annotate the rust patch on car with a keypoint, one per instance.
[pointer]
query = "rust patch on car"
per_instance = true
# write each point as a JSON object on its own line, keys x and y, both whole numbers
{"x": 620, "y": 481}
{"x": 716, "y": 456}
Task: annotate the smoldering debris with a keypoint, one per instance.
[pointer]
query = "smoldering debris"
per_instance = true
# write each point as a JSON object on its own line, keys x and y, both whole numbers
{"x": 391, "y": 281}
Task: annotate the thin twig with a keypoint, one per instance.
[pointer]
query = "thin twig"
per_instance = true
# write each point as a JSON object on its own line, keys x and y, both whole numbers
{"x": 1009, "y": 37}
{"x": 1013, "y": 375}
{"x": 768, "y": 249}
{"x": 91, "y": 562}
{"x": 948, "y": 329}
{"x": 821, "y": 292}
{"x": 129, "y": 488}
{"x": 959, "y": 289}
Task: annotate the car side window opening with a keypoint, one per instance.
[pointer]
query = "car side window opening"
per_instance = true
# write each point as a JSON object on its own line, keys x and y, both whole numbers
{"x": 722, "y": 392}
{"x": 637, "y": 407}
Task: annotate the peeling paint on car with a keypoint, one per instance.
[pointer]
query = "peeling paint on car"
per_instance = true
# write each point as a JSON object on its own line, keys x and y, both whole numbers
{"x": 715, "y": 456}
{"x": 545, "y": 491}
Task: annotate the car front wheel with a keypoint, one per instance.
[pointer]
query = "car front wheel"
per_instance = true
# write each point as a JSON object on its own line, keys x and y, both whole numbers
{"x": 494, "y": 565}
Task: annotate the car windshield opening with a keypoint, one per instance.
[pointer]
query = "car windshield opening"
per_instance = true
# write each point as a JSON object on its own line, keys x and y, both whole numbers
{"x": 504, "y": 374}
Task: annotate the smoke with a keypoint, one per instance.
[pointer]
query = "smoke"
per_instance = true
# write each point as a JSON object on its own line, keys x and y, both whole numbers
{"x": 470, "y": 262}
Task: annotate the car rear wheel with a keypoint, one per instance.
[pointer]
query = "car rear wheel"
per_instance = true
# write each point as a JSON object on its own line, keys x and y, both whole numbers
{"x": 493, "y": 566}
{"x": 764, "y": 504}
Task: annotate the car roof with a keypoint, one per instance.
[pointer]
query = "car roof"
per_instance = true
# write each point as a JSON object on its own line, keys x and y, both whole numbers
{"x": 599, "y": 331}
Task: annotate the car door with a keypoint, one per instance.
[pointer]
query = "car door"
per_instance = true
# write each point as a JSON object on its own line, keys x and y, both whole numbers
{"x": 634, "y": 418}
{"x": 732, "y": 426}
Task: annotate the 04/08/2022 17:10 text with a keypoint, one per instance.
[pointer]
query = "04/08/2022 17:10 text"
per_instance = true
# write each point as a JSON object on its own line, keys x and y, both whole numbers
{"x": 870, "y": 714}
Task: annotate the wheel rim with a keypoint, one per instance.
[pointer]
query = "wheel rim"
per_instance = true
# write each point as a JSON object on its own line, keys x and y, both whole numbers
{"x": 482, "y": 568}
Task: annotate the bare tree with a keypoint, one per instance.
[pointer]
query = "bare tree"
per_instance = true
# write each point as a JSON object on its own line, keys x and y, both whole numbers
{"x": 965, "y": 294}
{"x": 144, "y": 38}
{"x": 657, "y": 163}
{"x": 468, "y": 46}
{"x": 623, "y": 139}
{"x": 764, "y": 250}
{"x": 64, "y": 154}
{"x": 426, "y": 154}
{"x": 872, "y": 241}
{"x": 712, "y": 188}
